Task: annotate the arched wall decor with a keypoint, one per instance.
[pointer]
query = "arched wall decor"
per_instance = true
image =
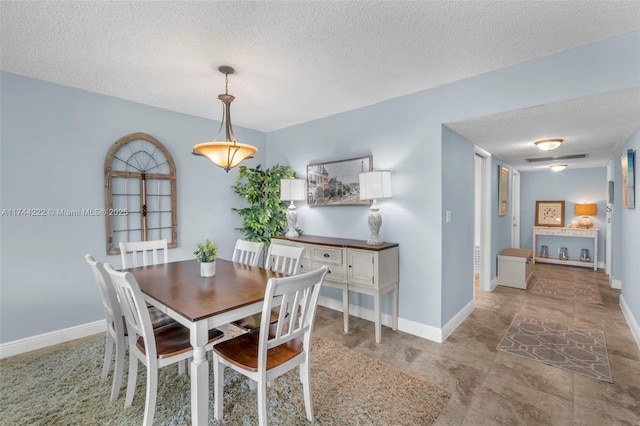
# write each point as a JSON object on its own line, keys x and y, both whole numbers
{"x": 140, "y": 192}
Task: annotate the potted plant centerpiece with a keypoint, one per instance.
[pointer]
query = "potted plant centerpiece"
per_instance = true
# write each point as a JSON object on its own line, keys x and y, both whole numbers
{"x": 206, "y": 255}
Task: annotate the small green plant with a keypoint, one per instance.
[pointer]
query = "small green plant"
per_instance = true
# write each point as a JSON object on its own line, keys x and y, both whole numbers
{"x": 206, "y": 252}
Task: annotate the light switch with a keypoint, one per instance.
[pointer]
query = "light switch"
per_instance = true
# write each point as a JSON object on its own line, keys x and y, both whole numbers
{"x": 448, "y": 216}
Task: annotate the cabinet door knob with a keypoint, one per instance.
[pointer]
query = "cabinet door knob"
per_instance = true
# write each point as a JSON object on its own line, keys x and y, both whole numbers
{"x": 326, "y": 255}
{"x": 349, "y": 266}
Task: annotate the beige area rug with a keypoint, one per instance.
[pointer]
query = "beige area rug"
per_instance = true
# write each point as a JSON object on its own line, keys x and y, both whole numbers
{"x": 559, "y": 345}
{"x": 578, "y": 291}
{"x": 61, "y": 386}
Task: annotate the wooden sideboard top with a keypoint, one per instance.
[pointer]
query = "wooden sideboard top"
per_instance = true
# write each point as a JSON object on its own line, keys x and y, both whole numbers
{"x": 337, "y": 242}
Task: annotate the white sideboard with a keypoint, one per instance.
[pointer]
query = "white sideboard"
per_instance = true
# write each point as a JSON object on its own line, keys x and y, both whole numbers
{"x": 567, "y": 232}
{"x": 356, "y": 266}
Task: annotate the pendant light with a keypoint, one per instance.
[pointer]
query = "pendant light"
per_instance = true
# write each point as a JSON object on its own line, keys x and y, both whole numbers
{"x": 228, "y": 153}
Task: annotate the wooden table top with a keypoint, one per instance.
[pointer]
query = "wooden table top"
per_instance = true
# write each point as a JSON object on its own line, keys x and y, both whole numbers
{"x": 179, "y": 286}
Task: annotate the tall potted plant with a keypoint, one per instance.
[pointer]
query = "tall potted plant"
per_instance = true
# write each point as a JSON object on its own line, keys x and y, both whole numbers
{"x": 266, "y": 215}
{"x": 206, "y": 255}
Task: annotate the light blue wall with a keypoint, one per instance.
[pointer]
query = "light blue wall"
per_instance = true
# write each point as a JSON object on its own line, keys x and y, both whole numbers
{"x": 405, "y": 136}
{"x": 69, "y": 131}
{"x": 457, "y": 236}
{"x": 54, "y": 141}
{"x": 631, "y": 240}
{"x": 573, "y": 186}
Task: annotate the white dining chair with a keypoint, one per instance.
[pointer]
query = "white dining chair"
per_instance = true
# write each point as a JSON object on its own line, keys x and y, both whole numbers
{"x": 268, "y": 352}
{"x": 285, "y": 259}
{"x": 280, "y": 258}
{"x": 143, "y": 253}
{"x": 247, "y": 252}
{"x": 154, "y": 348}
{"x": 115, "y": 335}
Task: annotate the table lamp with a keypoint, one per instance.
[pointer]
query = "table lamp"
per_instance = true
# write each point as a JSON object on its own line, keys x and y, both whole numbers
{"x": 292, "y": 190}
{"x": 585, "y": 210}
{"x": 375, "y": 185}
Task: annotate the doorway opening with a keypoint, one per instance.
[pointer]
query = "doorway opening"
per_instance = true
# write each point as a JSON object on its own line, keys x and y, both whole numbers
{"x": 482, "y": 220}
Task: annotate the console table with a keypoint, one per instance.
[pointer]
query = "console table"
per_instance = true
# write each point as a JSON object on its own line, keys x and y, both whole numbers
{"x": 356, "y": 266}
{"x": 567, "y": 232}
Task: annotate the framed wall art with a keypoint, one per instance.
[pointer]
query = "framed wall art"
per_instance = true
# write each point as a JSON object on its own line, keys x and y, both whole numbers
{"x": 628, "y": 179}
{"x": 550, "y": 213}
{"x": 335, "y": 183}
{"x": 503, "y": 190}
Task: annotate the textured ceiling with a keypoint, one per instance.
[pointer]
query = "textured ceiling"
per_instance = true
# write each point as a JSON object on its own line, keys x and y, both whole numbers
{"x": 595, "y": 125}
{"x": 295, "y": 61}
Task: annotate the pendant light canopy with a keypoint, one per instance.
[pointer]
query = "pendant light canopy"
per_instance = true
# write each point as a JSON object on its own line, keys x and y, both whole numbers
{"x": 228, "y": 153}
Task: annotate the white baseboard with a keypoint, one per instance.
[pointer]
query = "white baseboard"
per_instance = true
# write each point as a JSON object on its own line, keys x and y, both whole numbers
{"x": 417, "y": 329}
{"x": 601, "y": 265}
{"x": 493, "y": 284}
{"x": 615, "y": 284}
{"x": 40, "y": 341}
{"x": 457, "y": 319}
{"x": 356, "y": 311}
{"x": 631, "y": 320}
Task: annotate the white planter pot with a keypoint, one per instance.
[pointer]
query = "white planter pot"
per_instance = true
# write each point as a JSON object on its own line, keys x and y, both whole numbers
{"x": 208, "y": 269}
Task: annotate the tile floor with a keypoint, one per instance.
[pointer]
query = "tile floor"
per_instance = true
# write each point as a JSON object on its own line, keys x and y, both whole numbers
{"x": 495, "y": 388}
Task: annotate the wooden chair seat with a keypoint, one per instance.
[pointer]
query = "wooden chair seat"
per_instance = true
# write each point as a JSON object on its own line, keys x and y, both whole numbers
{"x": 173, "y": 339}
{"x": 253, "y": 322}
{"x": 242, "y": 351}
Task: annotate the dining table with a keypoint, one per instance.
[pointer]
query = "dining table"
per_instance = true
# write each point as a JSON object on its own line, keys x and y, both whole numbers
{"x": 202, "y": 303}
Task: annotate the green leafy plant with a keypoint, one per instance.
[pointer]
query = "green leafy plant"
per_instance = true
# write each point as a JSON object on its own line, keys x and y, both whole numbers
{"x": 206, "y": 252}
{"x": 266, "y": 215}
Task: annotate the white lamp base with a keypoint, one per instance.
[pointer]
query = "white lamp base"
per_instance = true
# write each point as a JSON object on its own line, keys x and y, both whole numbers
{"x": 292, "y": 218}
{"x": 585, "y": 222}
{"x": 375, "y": 221}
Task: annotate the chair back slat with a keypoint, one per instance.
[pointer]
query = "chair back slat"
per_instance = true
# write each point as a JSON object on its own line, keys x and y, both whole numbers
{"x": 107, "y": 293}
{"x": 285, "y": 259}
{"x": 247, "y": 252}
{"x": 134, "y": 309}
{"x": 143, "y": 253}
{"x": 296, "y": 297}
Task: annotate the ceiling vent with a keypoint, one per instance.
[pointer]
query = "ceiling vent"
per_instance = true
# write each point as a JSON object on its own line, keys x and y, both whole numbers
{"x": 560, "y": 157}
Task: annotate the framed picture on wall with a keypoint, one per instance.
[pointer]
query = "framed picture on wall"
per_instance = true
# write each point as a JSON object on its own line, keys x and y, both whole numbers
{"x": 550, "y": 213}
{"x": 335, "y": 183}
{"x": 503, "y": 190}
{"x": 628, "y": 179}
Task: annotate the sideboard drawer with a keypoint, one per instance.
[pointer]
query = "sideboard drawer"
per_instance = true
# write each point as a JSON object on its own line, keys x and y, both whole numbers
{"x": 550, "y": 231}
{"x": 586, "y": 233}
{"x": 305, "y": 266}
{"x": 335, "y": 272}
{"x": 327, "y": 255}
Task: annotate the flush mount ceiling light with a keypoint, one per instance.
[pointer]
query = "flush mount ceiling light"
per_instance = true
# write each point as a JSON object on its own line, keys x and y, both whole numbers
{"x": 228, "y": 153}
{"x": 558, "y": 167}
{"x": 548, "y": 144}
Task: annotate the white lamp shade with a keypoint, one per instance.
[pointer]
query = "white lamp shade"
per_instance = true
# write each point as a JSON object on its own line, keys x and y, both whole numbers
{"x": 375, "y": 185}
{"x": 292, "y": 189}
